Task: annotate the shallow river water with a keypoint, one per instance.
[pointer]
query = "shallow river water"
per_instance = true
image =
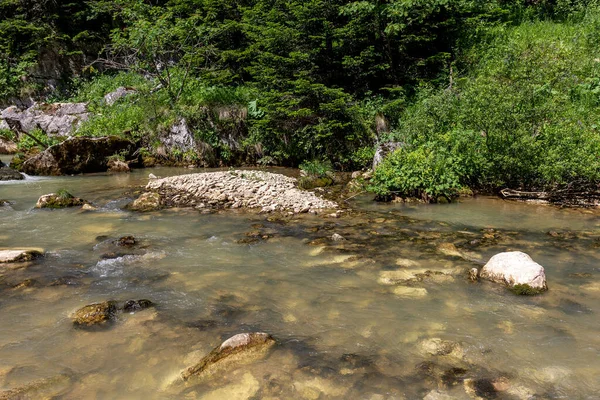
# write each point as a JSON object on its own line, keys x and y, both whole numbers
{"x": 344, "y": 329}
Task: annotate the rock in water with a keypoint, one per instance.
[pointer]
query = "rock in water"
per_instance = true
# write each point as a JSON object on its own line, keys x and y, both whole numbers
{"x": 516, "y": 270}
{"x": 126, "y": 241}
{"x": 95, "y": 314}
{"x": 240, "y": 349}
{"x": 118, "y": 166}
{"x": 132, "y": 306}
{"x": 336, "y": 237}
{"x": 78, "y": 155}
{"x": 18, "y": 255}
{"x": 473, "y": 274}
{"x": 9, "y": 174}
{"x": 148, "y": 201}
{"x": 59, "y": 200}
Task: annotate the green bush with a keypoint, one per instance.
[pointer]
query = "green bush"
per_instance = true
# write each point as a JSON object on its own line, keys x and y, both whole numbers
{"x": 524, "y": 116}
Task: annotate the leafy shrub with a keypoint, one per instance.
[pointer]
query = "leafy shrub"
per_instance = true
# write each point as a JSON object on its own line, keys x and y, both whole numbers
{"x": 317, "y": 168}
{"x": 26, "y": 142}
{"x": 525, "y": 116}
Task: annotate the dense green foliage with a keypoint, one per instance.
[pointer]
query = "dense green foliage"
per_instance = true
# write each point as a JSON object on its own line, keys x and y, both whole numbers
{"x": 525, "y": 116}
{"x": 481, "y": 94}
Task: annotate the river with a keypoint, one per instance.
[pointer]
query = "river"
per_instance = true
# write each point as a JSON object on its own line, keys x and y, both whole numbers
{"x": 342, "y": 330}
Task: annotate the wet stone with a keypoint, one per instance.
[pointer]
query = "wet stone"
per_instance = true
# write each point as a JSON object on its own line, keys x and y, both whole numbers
{"x": 581, "y": 275}
{"x": 126, "y": 241}
{"x": 573, "y": 308}
{"x": 18, "y": 255}
{"x": 66, "y": 281}
{"x": 240, "y": 349}
{"x": 132, "y": 306}
{"x": 147, "y": 201}
{"x": 25, "y": 284}
{"x": 59, "y": 200}
{"x": 95, "y": 314}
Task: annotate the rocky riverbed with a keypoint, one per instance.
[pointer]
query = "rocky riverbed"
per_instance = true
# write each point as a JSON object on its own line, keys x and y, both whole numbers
{"x": 376, "y": 303}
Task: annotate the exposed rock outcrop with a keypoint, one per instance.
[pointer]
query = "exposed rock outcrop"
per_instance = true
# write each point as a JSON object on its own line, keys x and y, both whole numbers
{"x": 57, "y": 119}
{"x": 238, "y": 189}
{"x": 117, "y": 94}
{"x": 180, "y": 137}
{"x": 240, "y": 349}
{"x": 516, "y": 270}
{"x": 78, "y": 155}
{"x": 382, "y": 151}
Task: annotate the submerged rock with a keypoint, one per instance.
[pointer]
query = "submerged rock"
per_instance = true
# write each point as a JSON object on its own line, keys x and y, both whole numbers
{"x": 59, "y": 200}
{"x": 336, "y": 237}
{"x": 148, "y": 201}
{"x": 240, "y": 349}
{"x": 410, "y": 292}
{"x": 484, "y": 388}
{"x": 95, "y": 314}
{"x": 440, "y": 347}
{"x": 78, "y": 155}
{"x": 244, "y": 389}
{"x": 48, "y": 388}
{"x": 19, "y": 255}
{"x": 517, "y": 271}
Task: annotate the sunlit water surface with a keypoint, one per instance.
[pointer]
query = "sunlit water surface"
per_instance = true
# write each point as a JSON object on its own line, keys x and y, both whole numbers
{"x": 341, "y": 333}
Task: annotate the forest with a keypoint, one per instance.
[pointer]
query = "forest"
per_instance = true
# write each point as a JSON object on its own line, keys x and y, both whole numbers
{"x": 475, "y": 95}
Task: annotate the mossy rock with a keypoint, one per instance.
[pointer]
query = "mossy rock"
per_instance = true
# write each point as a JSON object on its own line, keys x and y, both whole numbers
{"x": 61, "y": 199}
{"x": 148, "y": 201}
{"x": 95, "y": 314}
{"x": 525, "y": 290}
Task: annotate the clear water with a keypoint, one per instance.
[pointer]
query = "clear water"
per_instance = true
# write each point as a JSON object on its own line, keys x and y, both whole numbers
{"x": 341, "y": 333}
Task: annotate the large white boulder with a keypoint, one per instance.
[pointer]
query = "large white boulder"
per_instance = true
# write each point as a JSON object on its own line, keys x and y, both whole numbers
{"x": 515, "y": 268}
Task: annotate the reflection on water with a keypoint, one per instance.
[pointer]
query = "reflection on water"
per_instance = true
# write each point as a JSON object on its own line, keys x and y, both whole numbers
{"x": 348, "y": 322}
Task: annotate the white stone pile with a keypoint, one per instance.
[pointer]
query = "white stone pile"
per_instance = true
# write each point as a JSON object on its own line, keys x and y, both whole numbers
{"x": 239, "y": 189}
